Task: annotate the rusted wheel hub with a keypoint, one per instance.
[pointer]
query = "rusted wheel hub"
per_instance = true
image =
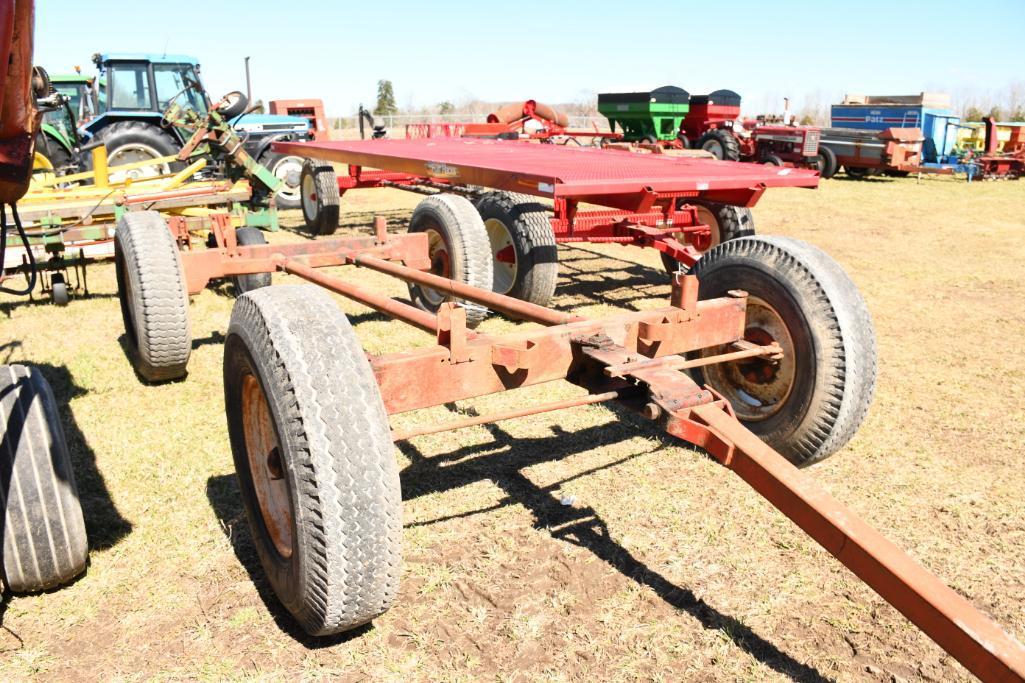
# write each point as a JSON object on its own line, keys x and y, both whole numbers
{"x": 265, "y": 466}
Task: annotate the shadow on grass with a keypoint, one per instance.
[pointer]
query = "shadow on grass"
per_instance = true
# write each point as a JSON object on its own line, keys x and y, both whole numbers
{"x": 225, "y": 499}
{"x": 503, "y": 463}
{"x": 580, "y": 526}
{"x": 103, "y": 523}
{"x": 41, "y": 299}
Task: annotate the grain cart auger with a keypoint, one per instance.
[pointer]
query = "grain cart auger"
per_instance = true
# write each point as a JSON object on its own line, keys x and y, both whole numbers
{"x": 777, "y": 337}
{"x": 42, "y": 532}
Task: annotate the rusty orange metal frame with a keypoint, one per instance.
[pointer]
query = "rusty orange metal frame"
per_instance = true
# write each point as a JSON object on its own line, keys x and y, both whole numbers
{"x": 633, "y": 359}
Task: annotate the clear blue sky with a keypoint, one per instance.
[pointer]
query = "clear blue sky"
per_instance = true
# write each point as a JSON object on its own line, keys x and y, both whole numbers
{"x": 556, "y": 51}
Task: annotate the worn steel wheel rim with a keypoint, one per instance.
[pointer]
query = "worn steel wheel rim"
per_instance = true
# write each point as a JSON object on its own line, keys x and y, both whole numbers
{"x": 503, "y": 254}
{"x": 706, "y": 217}
{"x": 308, "y": 192}
{"x": 715, "y": 147}
{"x": 757, "y": 388}
{"x": 133, "y": 153}
{"x": 441, "y": 264}
{"x": 266, "y": 467}
{"x": 281, "y": 171}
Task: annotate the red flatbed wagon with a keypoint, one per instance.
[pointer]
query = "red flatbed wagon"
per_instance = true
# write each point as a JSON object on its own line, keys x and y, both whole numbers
{"x": 680, "y": 205}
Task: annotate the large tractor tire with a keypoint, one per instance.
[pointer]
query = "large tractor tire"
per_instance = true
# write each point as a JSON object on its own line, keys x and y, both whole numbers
{"x": 56, "y": 155}
{"x": 250, "y": 237}
{"x": 288, "y": 169}
{"x": 721, "y": 144}
{"x": 154, "y": 298}
{"x": 826, "y": 162}
{"x": 319, "y": 197}
{"x": 459, "y": 249}
{"x": 525, "y": 257}
{"x": 43, "y": 532}
{"x": 314, "y": 458}
{"x": 129, "y": 142}
{"x": 809, "y": 404}
{"x": 726, "y": 221}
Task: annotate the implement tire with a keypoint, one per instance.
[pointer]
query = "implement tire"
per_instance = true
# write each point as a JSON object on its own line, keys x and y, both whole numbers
{"x": 826, "y": 162}
{"x": 525, "y": 257}
{"x": 250, "y": 237}
{"x": 314, "y": 457}
{"x": 41, "y": 525}
{"x": 809, "y": 404}
{"x": 319, "y": 197}
{"x": 728, "y": 222}
{"x": 721, "y": 144}
{"x": 154, "y": 300}
{"x": 459, "y": 249}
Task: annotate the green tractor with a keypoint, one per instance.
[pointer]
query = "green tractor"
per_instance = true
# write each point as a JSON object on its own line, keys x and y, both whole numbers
{"x": 58, "y": 143}
{"x": 131, "y": 94}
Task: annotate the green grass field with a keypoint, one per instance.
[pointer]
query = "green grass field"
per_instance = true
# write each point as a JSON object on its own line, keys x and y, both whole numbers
{"x": 666, "y": 567}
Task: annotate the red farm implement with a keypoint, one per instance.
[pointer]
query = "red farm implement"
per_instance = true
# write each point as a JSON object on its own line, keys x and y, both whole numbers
{"x": 537, "y": 196}
{"x": 530, "y": 120}
{"x": 777, "y": 343}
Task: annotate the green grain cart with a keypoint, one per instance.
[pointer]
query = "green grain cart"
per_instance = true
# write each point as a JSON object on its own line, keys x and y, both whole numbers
{"x": 646, "y": 116}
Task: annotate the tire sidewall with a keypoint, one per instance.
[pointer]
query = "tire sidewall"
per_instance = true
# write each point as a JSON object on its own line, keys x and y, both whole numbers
{"x": 286, "y": 575}
{"x": 758, "y": 279}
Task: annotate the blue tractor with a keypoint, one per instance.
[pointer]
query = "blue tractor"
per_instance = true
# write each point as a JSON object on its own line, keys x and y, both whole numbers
{"x": 132, "y": 93}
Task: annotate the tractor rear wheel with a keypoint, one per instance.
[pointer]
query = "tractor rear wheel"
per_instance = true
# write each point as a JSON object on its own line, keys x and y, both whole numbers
{"x": 154, "y": 300}
{"x": 525, "y": 258}
{"x": 128, "y": 142}
{"x": 314, "y": 458}
{"x": 319, "y": 196}
{"x": 721, "y": 144}
{"x": 250, "y": 237}
{"x": 826, "y": 162}
{"x": 43, "y": 540}
{"x": 458, "y": 246}
{"x": 288, "y": 169}
{"x": 59, "y": 158}
{"x": 809, "y": 404}
{"x": 726, "y": 221}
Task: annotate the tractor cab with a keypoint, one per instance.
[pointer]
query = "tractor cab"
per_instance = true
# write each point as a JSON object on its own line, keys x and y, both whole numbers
{"x": 131, "y": 94}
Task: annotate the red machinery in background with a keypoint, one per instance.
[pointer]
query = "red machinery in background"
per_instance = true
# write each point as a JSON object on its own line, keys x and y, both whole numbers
{"x": 524, "y": 120}
{"x": 310, "y": 109}
{"x": 713, "y": 124}
{"x": 1007, "y": 162}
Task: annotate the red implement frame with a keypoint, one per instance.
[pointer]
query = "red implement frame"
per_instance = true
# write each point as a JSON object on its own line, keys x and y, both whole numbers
{"x": 645, "y": 194}
{"x": 632, "y": 358}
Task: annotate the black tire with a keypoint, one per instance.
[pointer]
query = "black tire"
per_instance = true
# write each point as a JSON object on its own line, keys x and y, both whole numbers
{"x": 649, "y": 140}
{"x": 331, "y": 549}
{"x": 41, "y": 524}
{"x": 857, "y": 173}
{"x": 282, "y": 166}
{"x": 459, "y": 249}
{"x": 827, "y": 375}
{"x": 826, "y": 162}
{"x": 154, "y": 299}
{"x": 319, "y": 199}
{"x": 120, "y": 137}
{"x": 59, "y": 157}
{"x": 772, "y": 160}
{"x": 520, "y": 228}
{"x": 897, "y": 174}
{"x": 237, "y": 103}
{"x": 721, "y": 143}
{"x": 682, "y": 139}
{"x": 59, "y": 290}
{"x": 728, "y": 222}
{"x": 250, "y": 237}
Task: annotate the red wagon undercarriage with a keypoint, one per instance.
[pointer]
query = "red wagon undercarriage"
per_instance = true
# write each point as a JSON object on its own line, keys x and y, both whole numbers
{"x": 764, "y": 358}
